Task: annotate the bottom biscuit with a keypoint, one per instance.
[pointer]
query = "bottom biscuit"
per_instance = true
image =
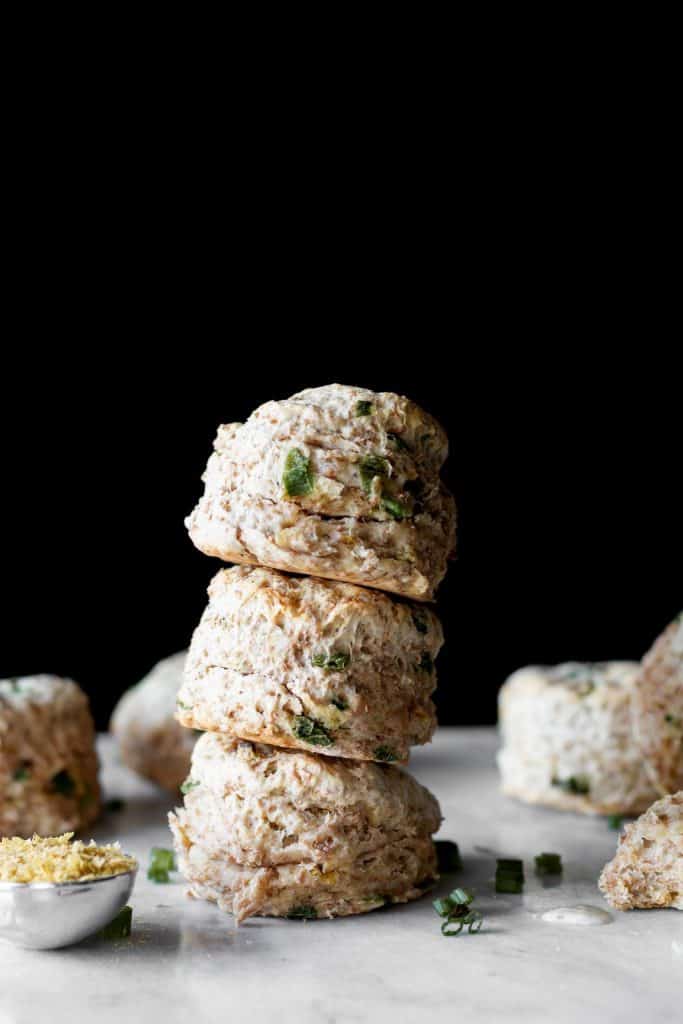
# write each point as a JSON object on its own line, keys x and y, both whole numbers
{"x": 395, "y": 873}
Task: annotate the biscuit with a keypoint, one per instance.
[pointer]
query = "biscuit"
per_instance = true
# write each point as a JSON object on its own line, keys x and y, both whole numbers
{"x": 567, "y": 739}
{"x": 312, "y": 664}
{"x": 658, "y": 709}
{"x": 266, "y": 831}
{"x": 308, "y": 485}
{"x": 48, "y": 763}
{"x": 647, "y": 869}
{"x": 149, "y": 738}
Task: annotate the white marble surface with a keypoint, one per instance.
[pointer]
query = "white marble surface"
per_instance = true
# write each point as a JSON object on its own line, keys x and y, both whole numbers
{"x": 185, "y": 962}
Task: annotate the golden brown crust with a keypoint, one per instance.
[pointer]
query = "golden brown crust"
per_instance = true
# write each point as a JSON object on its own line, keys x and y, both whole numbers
{"x": 397, "y": 873}
{"x": 264, "y": 830}
{"x": 393, "y": 529}
{"x": 276, "y": 655}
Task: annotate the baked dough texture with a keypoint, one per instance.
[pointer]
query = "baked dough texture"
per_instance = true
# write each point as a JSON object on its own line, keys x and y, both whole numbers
{"x": 48, "y": 764}
{"x": 567, "y": 738}
{"x": 647, "y": 870}
{"x": 284, "y": 833}
{"x": 337, "y": 482}
{"x": 312, "y": 664}
{"x": 149, "y": 738}
{"x": 658, "y": 709}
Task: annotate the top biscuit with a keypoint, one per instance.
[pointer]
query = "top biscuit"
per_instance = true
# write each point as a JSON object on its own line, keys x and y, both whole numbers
{"x": 338, "y": 482}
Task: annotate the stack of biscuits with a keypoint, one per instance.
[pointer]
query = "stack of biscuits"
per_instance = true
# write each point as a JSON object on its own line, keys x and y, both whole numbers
{"x": 310, "y": 689}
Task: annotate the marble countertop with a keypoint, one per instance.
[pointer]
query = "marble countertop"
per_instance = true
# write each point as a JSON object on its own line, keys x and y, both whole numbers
{"x": 185, "y": 961}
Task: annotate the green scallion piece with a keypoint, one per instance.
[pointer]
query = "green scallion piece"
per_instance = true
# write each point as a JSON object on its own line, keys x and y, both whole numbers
{"x": 510, "y": 865}
{"x": 462, "y": 897}
{"x": 615, "y": 821}
{"x": 371, "y": 466}
{"x": 297, "y": 478}
{"x": 458, "y": 912}
{"x": 311, "y": 731}
{"x": 188, "y": 785}
{"x": 303, "y": 913}
{"x": 161, "y": 862}
{"x": 578, "y": 785}
{"x": 63, "y": 784}
{"x": 453, "y": 926}
{"x": 340, "y": 704}
{"x": 120, "y": 926}
{"x": 509, "y": 875}
{"x": 509, "y": 883}
{"x": 548, "y": 864}
{"x": 363, "y": 408}
{"x": 23, "y": 772}
{"x": 336, "y": 662}
{"x": 474, "y": 921}
{"x": 385, "y": 754}
{"x": 396, "y": 509}
{"x": 443, "y": 907}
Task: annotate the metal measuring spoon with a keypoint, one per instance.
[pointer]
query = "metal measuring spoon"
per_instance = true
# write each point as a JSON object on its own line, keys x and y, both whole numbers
{"x": 47, "y": 915}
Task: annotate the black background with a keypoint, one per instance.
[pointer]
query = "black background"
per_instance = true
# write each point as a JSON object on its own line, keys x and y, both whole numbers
{"x": 566, "y": 468}
{"x": 505, "y": 260}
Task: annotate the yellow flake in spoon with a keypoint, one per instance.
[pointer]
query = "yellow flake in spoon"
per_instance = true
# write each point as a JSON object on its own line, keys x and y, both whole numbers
{"x": 58, "y": 859}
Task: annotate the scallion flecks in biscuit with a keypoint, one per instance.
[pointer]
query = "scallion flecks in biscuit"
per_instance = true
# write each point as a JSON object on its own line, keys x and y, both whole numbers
{"x": 567, "y": 738}
{"x": 263, "y": 830}
{"x": 48, "y": 764}
{"x": 315, "y": 664}
{"x": 308, "y": 485}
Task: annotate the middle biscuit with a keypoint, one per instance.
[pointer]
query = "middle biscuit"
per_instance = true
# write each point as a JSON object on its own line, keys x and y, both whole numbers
{"x": 312, "y": 664}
